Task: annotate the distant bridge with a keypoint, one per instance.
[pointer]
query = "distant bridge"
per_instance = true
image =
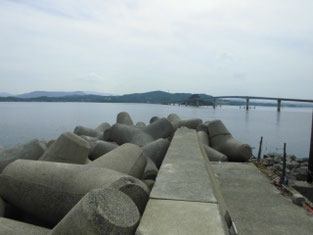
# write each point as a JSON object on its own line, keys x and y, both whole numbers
{"x": 247, "y": 98}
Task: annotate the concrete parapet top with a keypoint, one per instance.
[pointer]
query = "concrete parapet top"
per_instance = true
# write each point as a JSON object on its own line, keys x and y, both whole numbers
{"x": 183, "y": 175}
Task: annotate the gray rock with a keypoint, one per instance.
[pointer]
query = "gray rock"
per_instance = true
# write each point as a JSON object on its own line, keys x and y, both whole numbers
{"x": 292, "y": 164}
{"x": 300, "y": 173}
{"x": 221, "y": 140}
{"x": 30, "y": 150}
{"x": 100, "y": 148}
{"x": 156, "y": 150}
{"x": 278, "y": 159}
{"x": 101, "y": 211}
{"x": 69, "y": 148}
{"x": 48, "y": 190}
{"x": 13, "y": 227}
{"x": 268, "y": 162}
{"x": 124, "y": 118}
{"x": 127, "y": 158}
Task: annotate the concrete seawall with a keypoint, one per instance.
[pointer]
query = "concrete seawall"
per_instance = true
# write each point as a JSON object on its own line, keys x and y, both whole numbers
{"x": 183, "y": 199}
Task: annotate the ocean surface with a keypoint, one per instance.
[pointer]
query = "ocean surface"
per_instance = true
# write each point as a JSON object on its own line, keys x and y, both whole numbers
{"x": 21, "y": 122}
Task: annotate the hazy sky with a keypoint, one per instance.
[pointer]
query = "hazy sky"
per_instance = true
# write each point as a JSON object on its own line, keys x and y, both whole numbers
{"x": 217, "y": 47}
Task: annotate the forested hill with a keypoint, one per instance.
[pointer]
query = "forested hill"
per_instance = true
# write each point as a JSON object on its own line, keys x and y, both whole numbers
{"x": 156, "y": 97}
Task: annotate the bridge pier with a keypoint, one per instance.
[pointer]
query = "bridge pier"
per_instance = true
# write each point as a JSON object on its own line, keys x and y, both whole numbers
{"x": 247, "y": 104}
{"x": 213, "y": 103}
{"x": 278, "y": 105}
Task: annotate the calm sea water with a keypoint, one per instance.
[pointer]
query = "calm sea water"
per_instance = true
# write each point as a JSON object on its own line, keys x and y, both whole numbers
{"x": 21, "y": 122}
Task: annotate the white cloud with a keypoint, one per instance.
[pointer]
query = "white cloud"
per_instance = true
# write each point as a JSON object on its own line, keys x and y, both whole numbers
{"x": 138, "y": 45}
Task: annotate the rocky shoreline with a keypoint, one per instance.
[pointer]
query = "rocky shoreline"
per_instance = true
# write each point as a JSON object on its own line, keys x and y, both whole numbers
{"x": 296, "y": 168}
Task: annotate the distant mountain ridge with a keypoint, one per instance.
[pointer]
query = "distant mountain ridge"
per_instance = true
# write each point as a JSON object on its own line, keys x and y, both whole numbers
{"x": 147, "y": 97}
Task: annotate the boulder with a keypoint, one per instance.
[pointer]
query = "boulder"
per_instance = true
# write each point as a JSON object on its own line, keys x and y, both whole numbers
{"x": 69, "y": 148}
{"x": 48, "y": 190}
{"x": 13, "y": 227}
{"x": 177, "y": 122}
{"x": 221, "y": 140}
{"x": 300, "y": 173}
{"x": 268, "y": 162}
{"x": 30, "y": 150}
{"x": 156, "y": 150}
{"x": 127, "y": 158}
{"x": 100, "y": 148}
{"x": 101, "y": 211}
{"x": 121, "y": 133}
{"x": 124, "y": 118}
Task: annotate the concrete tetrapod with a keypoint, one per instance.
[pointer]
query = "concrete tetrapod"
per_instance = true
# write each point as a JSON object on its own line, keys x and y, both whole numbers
{"x": 223, "y": 141}
{"x": 140, "y": 124}
{"x": 127, "y": 158}
{"x": 101, "y": 211}
{"x": 151, "y": 171}
{"x": 211, "y": 153}
{"x": 122, "y": 134}
{"x": 177, "y": 122}
{"x": 153, "y": 119}
{"x": 13, "y": 227}
{"x": 101, "y": 147}
{"x": 2, "y": 207}
{"x": 124, "y": 118}
{"x": 95, "y": 133}
{"x": 48, "y": 190}
{"x": 30, "y": 150}
{"x": 68, "y": 148}
{"x": 156, "y": 150}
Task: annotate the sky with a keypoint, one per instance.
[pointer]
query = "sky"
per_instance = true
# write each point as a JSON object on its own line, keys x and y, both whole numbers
{"x": 217, "y": 47}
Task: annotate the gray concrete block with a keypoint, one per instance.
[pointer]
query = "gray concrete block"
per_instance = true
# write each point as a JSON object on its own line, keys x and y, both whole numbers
{"x": 149, "y": 183}
{"x": 122, "y": 134}
{"x": 69, "y": 148}
{"x": 100, "y": 148}
{"x": 214, "y": 155}
{"x": 124, "y": 118}
{"x": 48, "y": 190}
{"x": 203, "y": 138}
{"x": 140, "y": 124}
{"x": 82, "y": 130}
{"x": 183, "y": 175}
{"x": 177, "y": 122}
{"x": 103, "y": 127}
{"x": 2, "y": 207}
{"x": 223, "y": 141}
{"x": 169, "y": 217}
{"x": 127, "y": 158}
{"x": 101, "y": 211}
{"x": 156, "y": 150}
{"x": 30, "y": 150}
{"x": 153, "y": 119}
{"x": 13, "y": 227}
{"x": 151, "y": 171}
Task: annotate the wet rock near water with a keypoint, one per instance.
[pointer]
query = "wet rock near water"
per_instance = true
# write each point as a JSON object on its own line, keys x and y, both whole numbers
{"x": 296, "y": 168}
{"x": 98, "y": 180}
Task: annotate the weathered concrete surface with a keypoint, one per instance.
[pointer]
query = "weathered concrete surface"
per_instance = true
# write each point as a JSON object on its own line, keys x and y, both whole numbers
{"x": 255, "y": 205}
{"x": 101, "y": 147}
{"x": 48, "y": 190}
{"x": 169, "y": 217}
{"x": 2, "y": 207}
{"x": 183, "y": 175}
{"x": 30, "y": 150}
{"x": 69, "y": 148}
{"x": 177, "y": 122}
{"x": 13, "y": 227}
{"x": 156, "y": 150}
{"x": 127, "y": 158}
{"x": 101, "y": 211}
